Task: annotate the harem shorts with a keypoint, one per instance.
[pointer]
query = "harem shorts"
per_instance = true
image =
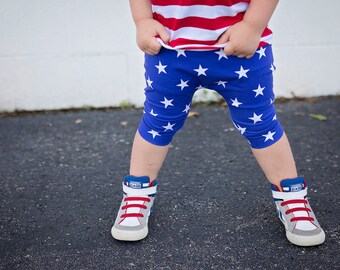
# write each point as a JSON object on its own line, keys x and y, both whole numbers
{"x": 172, "y": 77}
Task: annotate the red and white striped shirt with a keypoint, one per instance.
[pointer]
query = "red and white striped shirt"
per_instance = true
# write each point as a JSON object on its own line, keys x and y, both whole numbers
{"x": 197, "y": 24}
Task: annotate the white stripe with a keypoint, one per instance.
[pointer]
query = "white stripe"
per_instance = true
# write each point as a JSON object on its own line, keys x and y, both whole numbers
{"x": 208, "y": 12}
{"x": 196, "y": 33}
{"x": 289, "y": 195}
{"x": 190, "y": 45}
{"x": 267, "y": 39}
{"x": 139, "y": 192}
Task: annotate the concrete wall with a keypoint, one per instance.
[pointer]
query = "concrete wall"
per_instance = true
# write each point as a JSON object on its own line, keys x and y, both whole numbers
{"x": 76, "y": 53}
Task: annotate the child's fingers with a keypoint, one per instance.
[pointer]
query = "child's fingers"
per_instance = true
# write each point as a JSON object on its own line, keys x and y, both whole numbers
{"x": 153, "y": 47}
{"x": 224, "y": 38}
{"x": 229, "y": 49}
{"x": 249, "y": 56}
{"x": 164, "y": 35}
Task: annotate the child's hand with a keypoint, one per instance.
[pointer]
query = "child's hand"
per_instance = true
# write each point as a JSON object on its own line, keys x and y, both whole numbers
{"x": 147, "y": 30}
{"x": 243, "y": 39}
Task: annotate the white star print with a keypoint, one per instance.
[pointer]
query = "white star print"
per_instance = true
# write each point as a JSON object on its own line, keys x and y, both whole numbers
{"x": 149, "y": 82}
{"x": 242, "y": 73}
{"x": 199, "y": 87}
{"x": 274, "y": 118}
{"x": 261, "y": 52}
{"x": 187, "y": 108}
{"x": 221, "y": 54}
{"x": 168, "y": 126}
{"x": 256, "y": 118}
{"x": 221, "y": 83}
{"x": 160, "y": 67}
{"x": 154, "y": 133}
{"x": 240, "y": 129}
{"x": 269, "y": 136}
{"x": 167, "y": 102}
{"x": 183, "y": 84}
{"x": 259, "y": 91}
{"x": 181, "y": 52}
{"x": 271, "y": 101}
{"x": 153, "y": 113}
{"x": 235, "y": 103}
{"x": 201, "y": 71}
{"x": 272, "y": 68}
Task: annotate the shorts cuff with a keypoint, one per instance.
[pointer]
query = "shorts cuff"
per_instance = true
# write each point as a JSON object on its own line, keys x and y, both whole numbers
{"x": 153, "y": 136}
{"x": 266, "y": 140}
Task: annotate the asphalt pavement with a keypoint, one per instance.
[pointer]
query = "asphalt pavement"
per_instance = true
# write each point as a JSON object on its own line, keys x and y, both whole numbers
{"x": 60, "y": 184}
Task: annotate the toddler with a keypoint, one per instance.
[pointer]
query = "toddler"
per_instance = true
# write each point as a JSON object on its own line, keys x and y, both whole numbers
{"x": 223, "y": 45}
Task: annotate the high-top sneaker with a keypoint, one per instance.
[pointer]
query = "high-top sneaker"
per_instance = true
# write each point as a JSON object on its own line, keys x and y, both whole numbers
{"x": 132, "y": 220}
{"x": 302, "y": 227}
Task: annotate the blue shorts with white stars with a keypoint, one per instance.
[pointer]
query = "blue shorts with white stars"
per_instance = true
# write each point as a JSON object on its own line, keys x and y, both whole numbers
{"x": 172, "y": 77}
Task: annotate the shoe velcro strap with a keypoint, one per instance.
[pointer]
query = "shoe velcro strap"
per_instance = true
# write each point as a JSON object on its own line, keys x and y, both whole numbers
{"x": 289, "y": 195}
{"x": 139, "y": 192}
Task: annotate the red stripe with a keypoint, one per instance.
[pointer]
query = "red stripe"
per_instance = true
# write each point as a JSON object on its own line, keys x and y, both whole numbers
{"x": 302, "y": 218}
{"x": 151, "y": 184}
{"x": 136, "y": 199}
{"x": 197, "y": 2}
{"x": 133, "y": 206}
{"x": 199, "y": 22}
{"x": 297, "y": 209}
{"x": 203, "y": 47}
{"x": 206, "y": 44}
{"x": 132, "y": 215}
{"x": 184, "y": 41}
{"x": 294, "y": 201}
{"x": 262, "y": 44}
{"x": 266, "y": 32}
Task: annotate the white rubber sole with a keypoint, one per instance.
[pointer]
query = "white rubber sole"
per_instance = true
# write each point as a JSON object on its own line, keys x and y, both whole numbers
{"x": 129, "y": 235}
{"x": 306, "y": 241}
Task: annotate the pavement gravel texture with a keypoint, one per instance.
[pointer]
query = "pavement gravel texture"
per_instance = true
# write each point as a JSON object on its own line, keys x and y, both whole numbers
{"x": 60, "y": 184}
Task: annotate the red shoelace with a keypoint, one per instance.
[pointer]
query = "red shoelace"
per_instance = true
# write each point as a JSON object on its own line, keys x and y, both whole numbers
{"x": 298, "y": 209}
{"x": 128, "y": 199}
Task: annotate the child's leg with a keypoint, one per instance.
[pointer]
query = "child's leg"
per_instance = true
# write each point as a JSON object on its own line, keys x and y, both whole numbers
{"x": 168, "y": 95}
{"x": 277, "y": 161}
{"x": 165, "y": 109}
{"x": 250, "y": 98}
{"x": 139, "y": 193}
{"x": 146, "y": 158}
